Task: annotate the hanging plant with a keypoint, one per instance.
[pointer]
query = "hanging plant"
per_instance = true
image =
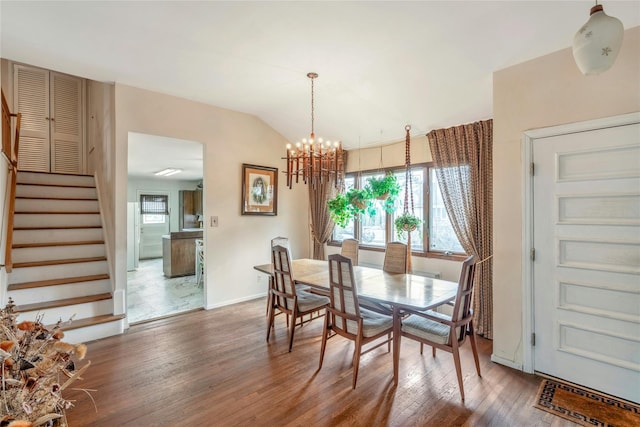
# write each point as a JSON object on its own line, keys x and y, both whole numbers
{"x": 360, "y": 199}
{"x": 340, "y": 210}
{"x": 406, "y": 223}
{"x": 346, "y": 206}
{"x": 385, "y": 188}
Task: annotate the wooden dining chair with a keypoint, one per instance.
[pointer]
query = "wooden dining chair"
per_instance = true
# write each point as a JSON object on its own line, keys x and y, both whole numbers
{"x": 350, "y": 250}
{"x": 285, "y": 298}
{"x": 346, "y": 318}
{"x": 395, "y": 261}
{"x": 282, "y": 241}
{"x": 395, "y": 258}
{"x": 447, "y": 332}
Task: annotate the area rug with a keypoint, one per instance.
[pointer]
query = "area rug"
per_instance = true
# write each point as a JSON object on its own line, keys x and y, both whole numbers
{"x": 585, "y": 406}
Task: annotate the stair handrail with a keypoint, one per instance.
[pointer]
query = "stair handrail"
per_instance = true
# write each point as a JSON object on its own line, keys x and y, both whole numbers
{"x": 13, "y": 170}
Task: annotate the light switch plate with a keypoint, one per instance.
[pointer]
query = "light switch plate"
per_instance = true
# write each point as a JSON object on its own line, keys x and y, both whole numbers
{"x": 214, "y": 221}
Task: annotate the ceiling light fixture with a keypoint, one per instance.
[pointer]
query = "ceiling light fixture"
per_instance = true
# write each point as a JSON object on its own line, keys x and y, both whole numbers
{"x": 315, "y": 160}
{"x": 168, "y": 172}
{"x": 597, "y": 43}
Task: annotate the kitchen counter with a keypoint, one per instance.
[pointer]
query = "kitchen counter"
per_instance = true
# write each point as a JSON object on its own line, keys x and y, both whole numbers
{"x": 178, "y": 252}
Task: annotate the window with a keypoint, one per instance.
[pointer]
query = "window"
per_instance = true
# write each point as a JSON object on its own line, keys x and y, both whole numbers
{"x": 442, "y": 237}
{"x": 417, "y": 182}
{"x": 434, "y": 238}
{"x": 154, "y": 208}
{"x": 373, "y": 228}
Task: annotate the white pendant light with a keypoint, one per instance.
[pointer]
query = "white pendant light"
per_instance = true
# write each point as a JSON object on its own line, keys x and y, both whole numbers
{"x": 597, "y": 43}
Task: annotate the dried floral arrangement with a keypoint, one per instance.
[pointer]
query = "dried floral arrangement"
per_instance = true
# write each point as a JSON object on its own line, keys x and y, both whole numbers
{"x": 35, "y": 368}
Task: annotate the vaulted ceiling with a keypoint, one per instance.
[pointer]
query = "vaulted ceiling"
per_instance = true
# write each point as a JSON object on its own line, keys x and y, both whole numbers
{"x": 381, "y": 64}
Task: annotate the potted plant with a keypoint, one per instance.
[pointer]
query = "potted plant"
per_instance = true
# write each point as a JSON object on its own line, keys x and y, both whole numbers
{"x": 360, "y": 199}
{"x": 385, "y": 187}
{"x": 407, "y": 223}
{"x": 340, "y": 210}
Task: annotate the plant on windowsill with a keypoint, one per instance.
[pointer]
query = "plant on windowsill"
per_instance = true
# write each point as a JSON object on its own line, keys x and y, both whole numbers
{"x": 385, "y": 188}
{"x": 406, "y": 223}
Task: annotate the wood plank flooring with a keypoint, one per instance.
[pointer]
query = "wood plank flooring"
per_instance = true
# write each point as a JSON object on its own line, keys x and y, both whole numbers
{"x": 214, "y": 368}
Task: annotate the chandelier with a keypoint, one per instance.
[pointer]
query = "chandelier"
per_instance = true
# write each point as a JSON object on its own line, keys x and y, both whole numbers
{"x": 312, "y": 159}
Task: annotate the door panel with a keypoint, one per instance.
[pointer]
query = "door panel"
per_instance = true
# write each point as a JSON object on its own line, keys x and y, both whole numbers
{"x": 586, "y": 275}
{"x": 66, "y": 124}
{"x": 31, "y": 99}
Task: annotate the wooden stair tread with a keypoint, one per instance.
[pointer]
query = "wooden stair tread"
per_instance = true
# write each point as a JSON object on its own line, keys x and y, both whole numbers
{"x": 84, "y": 199}
{"x": 55, "y": 282}
{"x": 42, "y": 245}
{"x": 62, "y": 302}
{"x": 70, "y": 227}
{"x": 91, "y": 321}
{"x": 57, "y": 262}
{"x": 57, "y": 212}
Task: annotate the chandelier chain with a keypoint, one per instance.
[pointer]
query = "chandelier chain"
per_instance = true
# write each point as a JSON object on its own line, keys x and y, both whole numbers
{"x": 312, "y": 76}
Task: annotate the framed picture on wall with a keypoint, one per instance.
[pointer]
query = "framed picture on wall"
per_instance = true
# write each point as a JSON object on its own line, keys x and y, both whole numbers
{"x": 259, "y": 190}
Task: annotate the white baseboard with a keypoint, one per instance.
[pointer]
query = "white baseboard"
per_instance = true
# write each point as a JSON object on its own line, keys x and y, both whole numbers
{"x": 235, "y": 301}
{"x": 505, "y": 362}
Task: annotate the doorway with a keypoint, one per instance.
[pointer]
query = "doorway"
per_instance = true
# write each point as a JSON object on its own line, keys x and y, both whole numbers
{"x": 584, "y": 233}
{"x": 154, "y": 289}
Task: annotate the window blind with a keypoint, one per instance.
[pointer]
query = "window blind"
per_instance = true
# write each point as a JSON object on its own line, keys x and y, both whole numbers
{"x": 154, "y": 204}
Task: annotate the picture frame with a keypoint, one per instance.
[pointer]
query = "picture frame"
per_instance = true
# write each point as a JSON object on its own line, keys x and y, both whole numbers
{"x": 259, "y": 190}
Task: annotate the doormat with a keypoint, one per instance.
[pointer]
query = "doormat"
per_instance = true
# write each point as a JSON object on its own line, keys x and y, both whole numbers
{"x": 584, "y": 406}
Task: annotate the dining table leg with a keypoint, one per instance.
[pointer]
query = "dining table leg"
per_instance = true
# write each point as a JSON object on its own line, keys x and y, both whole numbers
{"x": 396, "y": 342}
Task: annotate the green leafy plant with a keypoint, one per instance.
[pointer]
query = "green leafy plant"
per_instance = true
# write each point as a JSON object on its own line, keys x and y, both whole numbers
{"x": 346, "y": 206}
{"x": 340, "y": 210}
{"x": 385, "y": 188}
{"x": 406, "y": 223}
{"x": 360, "y": 199}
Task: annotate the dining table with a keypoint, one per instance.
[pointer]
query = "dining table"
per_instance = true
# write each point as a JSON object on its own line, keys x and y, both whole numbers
{"x": 400, "y": 291}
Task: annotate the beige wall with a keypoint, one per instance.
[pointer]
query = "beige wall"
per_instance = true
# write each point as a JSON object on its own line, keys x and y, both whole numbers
{"x": 229, "y": 139}
{"x": 544, "y": 92}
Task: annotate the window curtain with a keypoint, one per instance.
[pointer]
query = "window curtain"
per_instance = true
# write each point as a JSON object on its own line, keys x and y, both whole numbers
{"x": 463, "y": 159}
{"x": 321, "y": 223}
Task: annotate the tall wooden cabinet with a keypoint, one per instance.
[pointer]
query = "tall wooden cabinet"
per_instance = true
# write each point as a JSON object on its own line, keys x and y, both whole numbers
{"x": 52, "y": 129}
{"x": 189, "y": 207}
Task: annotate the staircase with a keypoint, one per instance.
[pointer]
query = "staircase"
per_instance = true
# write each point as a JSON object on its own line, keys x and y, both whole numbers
{"x": 60, "y": 268}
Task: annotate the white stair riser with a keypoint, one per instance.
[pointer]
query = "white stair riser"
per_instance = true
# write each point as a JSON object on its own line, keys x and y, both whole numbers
{"x": 40, "y": 191}
{"x": 58, "y": 271}
{"x": 50, "y": 316}
{"x": 54, "y": 179}
{"x": 54, "y": 236}
{"x": 47, "y": 253}
{"x": 54, "y": 205}
{"x": 52, "y": 293}
{"x": 95, "y": 332}
{"x": 56, "y": 220}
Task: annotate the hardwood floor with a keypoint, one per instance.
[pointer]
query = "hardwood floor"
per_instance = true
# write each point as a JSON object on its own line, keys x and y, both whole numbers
{"x": 214, "y": 368}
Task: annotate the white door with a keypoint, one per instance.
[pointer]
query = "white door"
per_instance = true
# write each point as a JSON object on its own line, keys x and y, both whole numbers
{"x": 152, "y": 228}
{"x": 586, "y": 273}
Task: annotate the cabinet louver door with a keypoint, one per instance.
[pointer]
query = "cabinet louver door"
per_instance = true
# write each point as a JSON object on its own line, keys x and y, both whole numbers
{"x": 31, "y": 97}
{"x": 66, "y": 124}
